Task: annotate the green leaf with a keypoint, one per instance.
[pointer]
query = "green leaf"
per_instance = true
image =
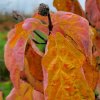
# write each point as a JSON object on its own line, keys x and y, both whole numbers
{"x": 40, "y": 37}
{"x": 5, "y": 87}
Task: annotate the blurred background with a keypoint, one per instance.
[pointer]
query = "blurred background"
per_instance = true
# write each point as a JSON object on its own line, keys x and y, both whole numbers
{"x": 7, "y": 22}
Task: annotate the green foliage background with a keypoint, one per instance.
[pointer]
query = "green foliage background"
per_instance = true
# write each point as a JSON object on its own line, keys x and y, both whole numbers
{"x": 5, "y": 84}
{"x": 3, "y": 71}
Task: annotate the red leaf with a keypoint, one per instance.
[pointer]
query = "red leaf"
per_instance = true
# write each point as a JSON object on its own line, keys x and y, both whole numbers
{"x": 93, "y": 12}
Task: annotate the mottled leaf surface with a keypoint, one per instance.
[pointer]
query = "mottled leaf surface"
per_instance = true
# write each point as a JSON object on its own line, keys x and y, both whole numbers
{"x": 63, "y": 74}
{"x": 23, "y": 93}
{"x": 68, "y": 70}
{"x": 74, "y": 27}
{"x": 91, "y": 73}
{"x": 93, "y": 12}
{"x": 34, "y": 76}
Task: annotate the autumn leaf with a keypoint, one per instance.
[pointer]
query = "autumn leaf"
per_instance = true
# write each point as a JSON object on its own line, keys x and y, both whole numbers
{"x": 34, "y": 61}
{"x": 16, "y": 44}
{"x": 98, "y": 4}
{"x": 43, "y": 19}
{"x": 96, "y": 53}
{"x": 38, "y": 95}
{"x": 10, "y": 61}
{"x": 1, "y": 95}
{"x": 71, "y": 25}
{"x": 33, "y": 71}
{"x": 90, "y": 68}
{"x": 98, "y": 86}
{"x": 63, "y": 75}
{"x": 69, "y": 6}
{"x": 93, "y": 12}
{"x": 24, "y": 93}
{"x": 91, "y": 73}
{"x": 41, "y": 38}
{"x": 67, "y": 49}
{"x": 97, "y": 45}
{"x": 16, "y": 36}
{"x": 24, "y": 29}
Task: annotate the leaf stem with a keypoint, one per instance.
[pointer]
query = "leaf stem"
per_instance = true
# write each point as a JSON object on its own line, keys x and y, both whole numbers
{"x": 44, "y": 11}
{"x": 50, "y": 26}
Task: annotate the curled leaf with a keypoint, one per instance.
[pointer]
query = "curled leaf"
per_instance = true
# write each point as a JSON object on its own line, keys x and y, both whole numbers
{"x": 63, "y": 75}
{"x": 93, "y": 12}
{"x": 34, "y": 61}
{"x": 11, "y": 64}
{"x": 24, "y": 29}
{"x": 71, "y": 25}
{"x": 15, "y": 48}
{"x": 32, "y": 75}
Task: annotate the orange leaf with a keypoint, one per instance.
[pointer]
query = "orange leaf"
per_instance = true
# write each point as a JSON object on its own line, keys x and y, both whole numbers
{"x": 24, "y": 29}
{"x": 25, "y": 92}
{"x": 91, "y": 73}
{"x": 18, "y": 33}
{"x": 34, "y": 61}
{"x": 63, "y": 75}
{"x": 71, "y": 25}
{"x": 1, "y": 95}
{"x": 69, "y": 6}
{"x": 90, "y": 68}
{"x": 31, "y": 76}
